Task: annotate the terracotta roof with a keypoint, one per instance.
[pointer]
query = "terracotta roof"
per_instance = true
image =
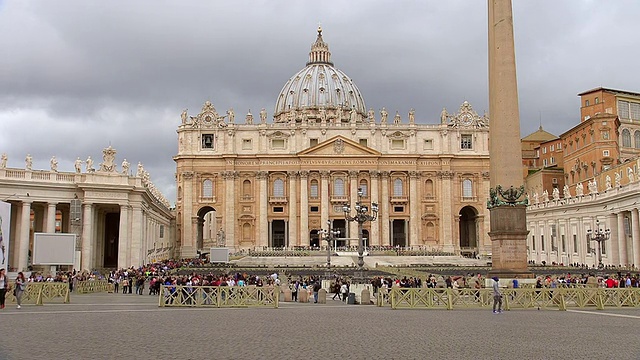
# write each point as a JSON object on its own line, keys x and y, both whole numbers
{"x": 539, "y": 135}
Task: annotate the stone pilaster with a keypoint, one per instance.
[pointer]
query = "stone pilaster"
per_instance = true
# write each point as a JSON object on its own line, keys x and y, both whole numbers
{"x": 87, "y": 232}
{"x": 189, "y": 198}
{"x": 263, "y": 224}
{"x": 230, "y": 208}
{"x": 384, "y": 209}
{"x": 294, "y": 239}
{"x": 375, "y": 225}
{"x": 50, "y": 224}
{"x": 304, "y": 208}
{"x": 353, "y": 192}
{"x": 324, "y": 197}
{"x": 23, "y": 239}
{"x": 635, "y": 238}
{"x": 139, "y": 244}
{"x": 124, "y": 242}
{"x": 414, "y": 236}
{"x": 621, "y": 240}
{"x": 449, "y": 227}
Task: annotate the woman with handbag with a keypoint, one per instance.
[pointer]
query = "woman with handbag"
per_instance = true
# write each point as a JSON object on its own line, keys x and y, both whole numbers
{"x": 21, "y": 284}
{"x": 4, "y": 286}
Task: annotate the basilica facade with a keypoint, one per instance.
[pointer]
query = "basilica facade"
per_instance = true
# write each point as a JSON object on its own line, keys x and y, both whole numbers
{"x": 257, "y": 183}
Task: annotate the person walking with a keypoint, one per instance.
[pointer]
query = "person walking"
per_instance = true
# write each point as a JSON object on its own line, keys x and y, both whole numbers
{"x": 21, "y": 284}
{"x": 344, "y": 290}
{"x": 4, "y": 286}
{"x": 497, "y": 296}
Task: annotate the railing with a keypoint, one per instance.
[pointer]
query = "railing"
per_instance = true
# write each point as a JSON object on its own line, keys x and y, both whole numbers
{"x": 218, "y": 296}
{"x": 39, "y": 292}
{"x": 559, "y": 298}
{"x": 93, "y": 286}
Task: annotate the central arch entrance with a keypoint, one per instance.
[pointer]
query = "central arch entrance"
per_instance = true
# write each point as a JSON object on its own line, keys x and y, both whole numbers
{"x": 207, "y": 235}
{"x": 468, "y": 231}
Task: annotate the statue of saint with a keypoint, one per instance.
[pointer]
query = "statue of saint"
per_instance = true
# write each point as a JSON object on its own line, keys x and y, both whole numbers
{"x": 89, "y": 164}
{"x": 630, "y": 175}
{"x": 221, "y": 237}
{"x": 412, "y": 116}
{"x": 593, "y": 187}
{"x": 125, "y": 167}
{"x": 536, "y": 198}
{"x": 566, "y": 193}
{"x": 396, "y": 119}
{"x": 608, "y": 183}
{"x": 28, "y": 162}
{"x": 545, "y": 196}
{"x": 383, "y": 116}
{"x": 78, "y": 165}
{"x": 249, "y": 118}
{"x": 555, "y": 194}
{"x": 140, "y": 170}
{"x": 54, "y": 164}
{"x": 371, "y": 115}
{"x": 353, "y": 114}
{"x": 3, "y": 161}
{"x": 232, "y": 115}
{"x": 444, "y": 116}
{"x": 579, "y": 189}
{"x": 323, "y": 115}
{"x": 618, "y": 178}
{"x": 263, "y": 116}
{"x": 183, "y": 116}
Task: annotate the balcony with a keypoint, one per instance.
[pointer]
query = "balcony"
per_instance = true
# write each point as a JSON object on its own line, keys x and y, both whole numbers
{"x": 399, "y": 199}
{"x": 277, "y": 200}
{"x": 339, "y": 199}
{"x": 469, "y": 198}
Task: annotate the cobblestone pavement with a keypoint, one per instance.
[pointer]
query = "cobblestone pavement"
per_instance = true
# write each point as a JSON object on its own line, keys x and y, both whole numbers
{"x": 110, "y": 326}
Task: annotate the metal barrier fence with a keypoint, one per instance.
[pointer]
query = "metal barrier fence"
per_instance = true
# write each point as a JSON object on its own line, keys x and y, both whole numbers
{"x": 218, "y": 296}
{"x": 558, "y": 298}
{"x": 40, "y": 292}
{"x": 93, "y": 286}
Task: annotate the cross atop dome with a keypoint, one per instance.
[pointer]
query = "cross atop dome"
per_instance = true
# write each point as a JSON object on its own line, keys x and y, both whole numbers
{"x": 319, "y": 53}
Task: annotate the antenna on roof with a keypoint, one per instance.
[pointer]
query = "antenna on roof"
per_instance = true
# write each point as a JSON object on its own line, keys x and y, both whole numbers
{"x": 540, "y": 118}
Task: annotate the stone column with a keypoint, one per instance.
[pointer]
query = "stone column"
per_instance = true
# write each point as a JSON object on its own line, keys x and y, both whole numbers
{"x": 449, "y": 223}
{"x": 635, "y": 238}
{"x": 304, "y": 209}
{"x": 384, "y": 209}
{"x": 293, "y": 240}
{"x": 50, "y": 224}
{"x": 188, "y": 245}
{"x": 508, "y": 223}
{"x": 25, "y": 232}
{"x": 614, "y": 255}
{"x": 353, "y": 192}
{"x": 139, "y": 244}
{"x": 622, "y": 240}
{"x": 124, "y": 243}
{"x": 375, "y": 225}
{"x": 263, "y": 224}
{"x": 87, "y": 232}
{"x": 324, "y": 197}
{"x": 230, "y": 208}
{"x": 414, "y": 237}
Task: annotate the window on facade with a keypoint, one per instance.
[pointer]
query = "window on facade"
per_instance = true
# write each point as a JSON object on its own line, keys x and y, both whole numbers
{"x": 278, "y": 188}
{"x": 635, "y": 111}
{"x": 313, "y": 142}
{"x": 277, "y": 143}
{"x": 586, "y": 103}
{"x": 564, "y": 243}
{"x": 575, "y": 243}
{"x": 636, "y": 139}
{"x": 552, "y": 160}
{"x": 338, "y": 187}
{"x": 428, "y": 144}
{"x": 278, "y": 209}
{"x": 161, "y": 231}
{"x": 559, "y": 146}
{"x": 533, "y": 242}
{"x": 314, "y": 189}
{"x": 551, "y": 148}
{"x": 398, "y": 209}
{"x": 363, "y": 142}
{"x": 626, "y": 138}
{"x": 207, "y": 188}
{"x": 397, "y": 187}
{"x": 364, "y": 187}
{"x": 397, "y": 144}
{"x": 597, "y": 100}
{"x": 467, "y": 188}
{"x": 466, "y": 142}
{"x": 605, "y": 135}
{"x": 314, "y": 209}
{"x": 246, "y": 188}
{"x": 542, "y": 242}
{"x": 207, "y": 141}
{"x": 544, "y": 150}
{"x": 428, "y": 189}
{"x": 544, "y": 162}
{"x": 605, "y": 152}
{"x": 246, "y": 144}
{"x": 623, "y": 109}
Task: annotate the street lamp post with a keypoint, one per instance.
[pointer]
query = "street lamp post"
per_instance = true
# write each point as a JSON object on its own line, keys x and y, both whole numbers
{"x": 329, "y": 236}
{"x": 599, "y": 235}
{"x": 361, "y": 216}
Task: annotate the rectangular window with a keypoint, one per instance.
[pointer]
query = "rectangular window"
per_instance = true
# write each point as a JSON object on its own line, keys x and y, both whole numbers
{"x": 544, "y": 150}
{"x": 397, "y": 144}
{"x": 314, "y": 209}
{"x": 363, "y": 142}
{"x": 466, "y": 142}
{"x": 544, "y": 162}
{"x": 575, "y": 243}
{"x": 428, "y": 144}
{"x": 605, "y": 135}
{"x": 314, "y": 189}
{"x": 542, "y": 242}
{"x": 552, "y": 160}
{"x": 278, "y": 209}
{"x": 467, "y": 188}
{"x": 533, "y": 242}
{"x": 623, "y": 109}
{"x": 603, "y": 247}
{"x": 605, "y": 152}
{"x": 313, "y": 142}
{"x": 635, "y": 111}
{"x": 554, "y": 180}
{"x": 398, "y": 209}
{"x": 277, "y": 143}
{"x": 207, "y": 141}
{"x": 161, "y": 231}
{"x": 586, "y": 103}
{"x": 559, "y": 146}
{"x": 551, "y": 148}
{"x": 247, "y": 144}
{"x": 564, "y": 244}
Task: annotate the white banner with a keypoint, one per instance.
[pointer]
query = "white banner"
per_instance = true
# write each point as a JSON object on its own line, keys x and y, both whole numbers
{"x": 5, "y": 225}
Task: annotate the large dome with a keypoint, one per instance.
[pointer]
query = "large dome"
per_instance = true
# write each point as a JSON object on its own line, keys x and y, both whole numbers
{"x": 319, "y": 88}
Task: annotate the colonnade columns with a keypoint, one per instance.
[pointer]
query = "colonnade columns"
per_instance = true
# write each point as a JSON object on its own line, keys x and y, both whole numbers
{"x": 50, "y": 218}
{"x": 23, "y": 236}
{"x": 384, "y": 209}
{"x": 304, "y": 209}
{"x": 263, "y": 224}
{"x": 414, "y": 222}
{"x": 447, "y": 230}
{"x": 635, "y": 237}
{"x": 324, "y": 197}
{"x": 294, "y": 240}
{"x": 87, "y": 231}
{"x": 124, "y": 242}
{"x": 353, "y": 192}
{"x": 138, "y": 232}
{"x": 622, "y": 240}
{"x": 188, "y": 235}
{"x": 230, "y": 205}
{"x": 614, "y": 256}
{"x": 375, "y": 225}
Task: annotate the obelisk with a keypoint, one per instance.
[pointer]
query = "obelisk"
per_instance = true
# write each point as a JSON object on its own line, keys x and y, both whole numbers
{"x": 507, "y": 204}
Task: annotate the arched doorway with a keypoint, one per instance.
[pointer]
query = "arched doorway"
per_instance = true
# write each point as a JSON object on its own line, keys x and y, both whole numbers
{"x": 207, "y": 235}
{"x": 468, "y": 232}
{"x": 314, "y": 239}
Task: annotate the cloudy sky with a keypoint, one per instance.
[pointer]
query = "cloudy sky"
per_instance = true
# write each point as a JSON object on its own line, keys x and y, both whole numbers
{"x": 78, "y": 76}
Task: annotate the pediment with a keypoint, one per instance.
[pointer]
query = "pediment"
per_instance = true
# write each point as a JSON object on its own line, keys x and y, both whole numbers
{"x": 339, "y": 146}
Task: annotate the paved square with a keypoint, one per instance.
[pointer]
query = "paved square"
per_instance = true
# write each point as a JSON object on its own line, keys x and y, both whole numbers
{"x": 108, "y": 326}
